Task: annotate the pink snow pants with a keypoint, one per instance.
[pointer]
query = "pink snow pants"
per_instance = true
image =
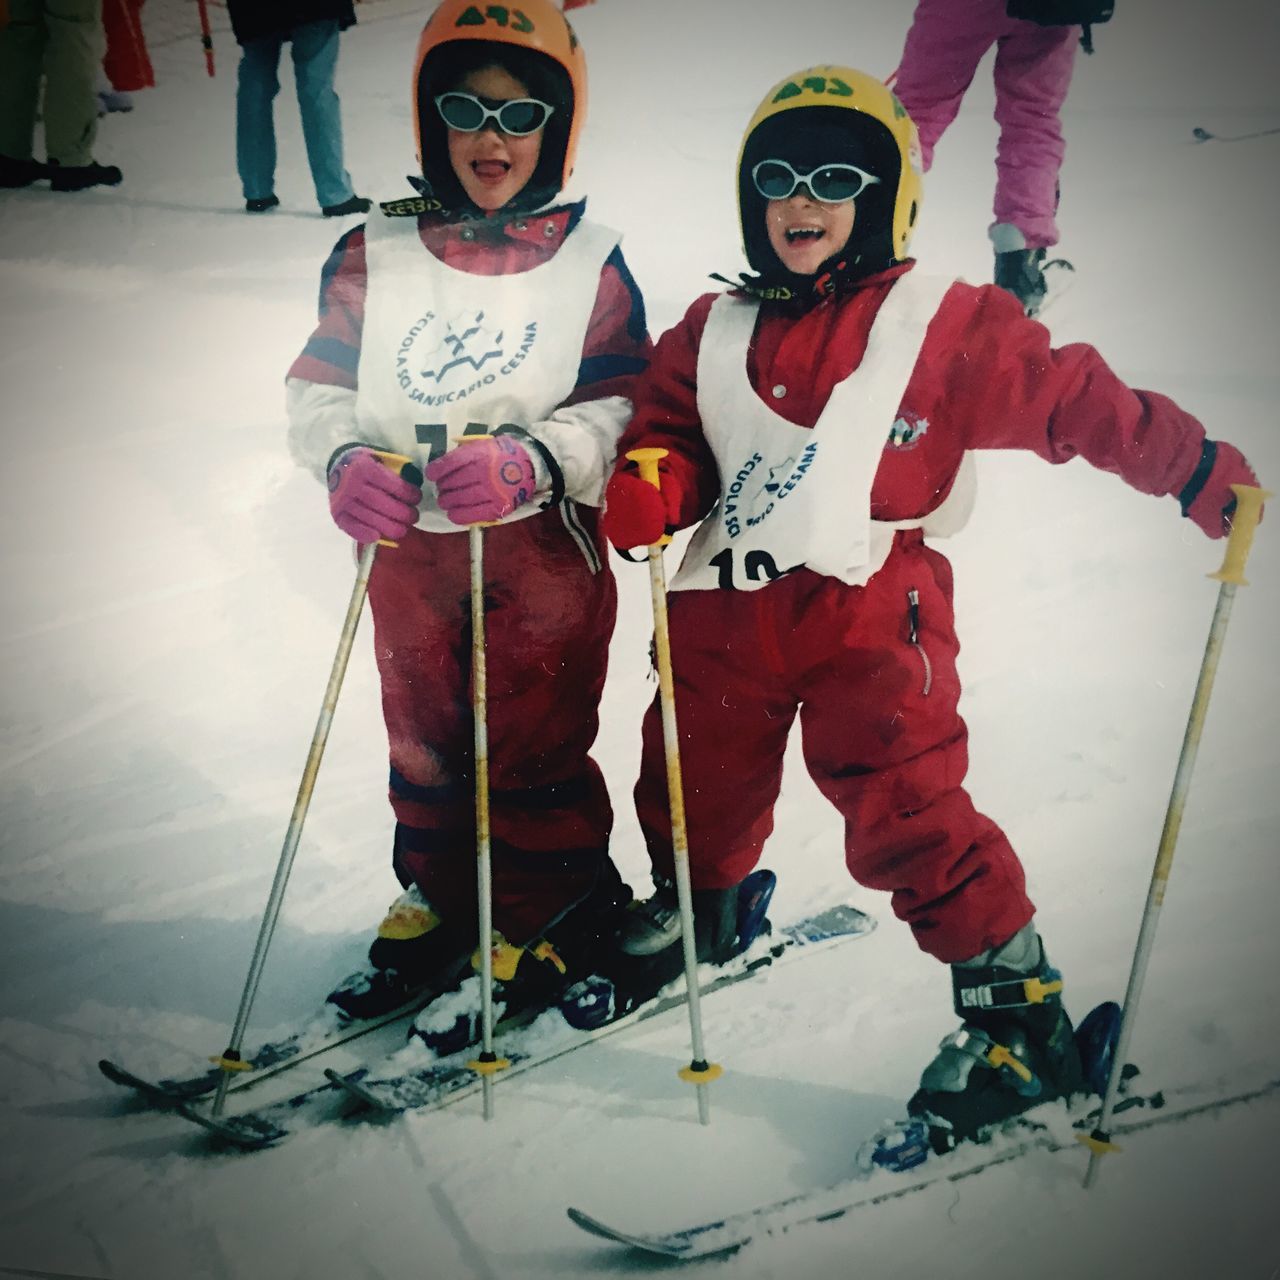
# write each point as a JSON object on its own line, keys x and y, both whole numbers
{"x": 550, "y": 601}
{"x": 871, "y": 674}
{"x": 947, "y": 40}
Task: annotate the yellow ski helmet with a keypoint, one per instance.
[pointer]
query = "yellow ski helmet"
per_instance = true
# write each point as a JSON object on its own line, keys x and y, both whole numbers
{"x": 536, "y": 43}
{"x": 828, "y": 113}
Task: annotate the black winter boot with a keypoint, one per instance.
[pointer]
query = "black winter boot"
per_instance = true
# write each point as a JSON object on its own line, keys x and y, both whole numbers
{"x": 1015, "y": 1050}
{"x": 355, "y": 204}
{"x": 80, "y": 177}
{"x": 20, "y": 173}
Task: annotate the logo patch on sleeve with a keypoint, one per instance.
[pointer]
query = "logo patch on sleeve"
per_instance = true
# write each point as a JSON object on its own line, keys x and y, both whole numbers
{"x": 907, "y": 431}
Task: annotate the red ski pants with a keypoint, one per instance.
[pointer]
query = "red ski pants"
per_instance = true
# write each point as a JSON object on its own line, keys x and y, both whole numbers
{"x": 550, "y": 602}
{"x": 871, "y": 672}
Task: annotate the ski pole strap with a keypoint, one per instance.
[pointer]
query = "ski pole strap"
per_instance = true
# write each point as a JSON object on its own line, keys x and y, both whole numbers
{"x": 993, "y": 988}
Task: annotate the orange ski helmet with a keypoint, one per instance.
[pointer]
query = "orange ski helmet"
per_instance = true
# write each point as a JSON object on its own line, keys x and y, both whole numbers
{"x": 536, "y": 44}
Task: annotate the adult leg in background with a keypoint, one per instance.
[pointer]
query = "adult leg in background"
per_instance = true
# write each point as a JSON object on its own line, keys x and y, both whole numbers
{"x": 315, "y": 58}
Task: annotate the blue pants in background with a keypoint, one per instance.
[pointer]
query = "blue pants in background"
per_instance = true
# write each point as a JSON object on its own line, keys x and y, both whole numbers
{"x": 315, "y": 54}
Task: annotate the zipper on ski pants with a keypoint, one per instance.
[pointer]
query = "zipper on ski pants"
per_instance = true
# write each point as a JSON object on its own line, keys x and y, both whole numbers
{"x": 913, "y": 614}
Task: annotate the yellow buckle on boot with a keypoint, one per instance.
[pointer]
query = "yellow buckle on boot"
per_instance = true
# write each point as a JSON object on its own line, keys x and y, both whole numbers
{"x": 999, "y": 1056}
{"x": 545, "y": 951}
{"x": 407, "y": 920}
{"x": 1038, "y": 992}
{"x": 506, "y": 957}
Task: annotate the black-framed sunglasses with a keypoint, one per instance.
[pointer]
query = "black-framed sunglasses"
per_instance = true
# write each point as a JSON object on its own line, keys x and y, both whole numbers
{"x": 518, "y": 117}
{"x": 830, "y": 183}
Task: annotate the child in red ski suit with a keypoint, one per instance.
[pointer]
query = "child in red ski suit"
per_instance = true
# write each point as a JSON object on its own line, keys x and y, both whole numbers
{"x": 485, "y": 306}
{"x": 1033, "y": 64}
{"x": 818, "y": 421}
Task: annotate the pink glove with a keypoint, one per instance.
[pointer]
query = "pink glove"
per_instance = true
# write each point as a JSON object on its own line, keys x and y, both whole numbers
{"x": 368, "y": 500}
{"x": 482, "y": 479}
{"x": 1207, "y": 498}
{"x": 635, "y": 513}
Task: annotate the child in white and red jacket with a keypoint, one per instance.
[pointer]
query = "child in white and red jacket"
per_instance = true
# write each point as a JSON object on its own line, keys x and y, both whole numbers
{"x": 818, "y": 421}
{"x": 483, "y": 307}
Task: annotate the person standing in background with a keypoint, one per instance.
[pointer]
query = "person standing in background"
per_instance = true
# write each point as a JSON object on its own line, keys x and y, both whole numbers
{"x": 61, "y": 41}
{"x": 311, "y": 28}
{"x": 1033, "y": 65}
{"x": 127, "y": 65}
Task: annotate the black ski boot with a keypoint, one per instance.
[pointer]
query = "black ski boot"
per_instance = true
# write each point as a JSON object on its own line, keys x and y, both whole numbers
{"x": 1021, "y": 273}
{"x": 647, "y": 951}
{"x": 415, "y": 952}
{"x": 1015, "y": 1050}
{"x": 530, "y": 978}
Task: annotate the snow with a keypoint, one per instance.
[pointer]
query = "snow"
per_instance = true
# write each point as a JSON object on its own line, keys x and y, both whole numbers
{"x": 174, "y": 592}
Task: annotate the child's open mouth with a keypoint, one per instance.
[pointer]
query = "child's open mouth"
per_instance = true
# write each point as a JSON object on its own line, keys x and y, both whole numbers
{"x": 490, "y": 170}
{"x": 800, "y": 235}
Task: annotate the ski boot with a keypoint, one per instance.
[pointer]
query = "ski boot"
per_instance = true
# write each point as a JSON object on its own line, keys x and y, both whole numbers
{"x": 529, "y": 978}
{"x": 1015, "y": 1050}
{"x": 648, "y": 950}
{"x": 415, "y": 951}
{"x": 1020, "y": 272}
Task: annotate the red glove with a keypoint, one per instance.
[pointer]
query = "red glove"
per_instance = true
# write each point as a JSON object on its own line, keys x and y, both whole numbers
{"x": 1207, "y": 498}
{"x": 635, "y": 513}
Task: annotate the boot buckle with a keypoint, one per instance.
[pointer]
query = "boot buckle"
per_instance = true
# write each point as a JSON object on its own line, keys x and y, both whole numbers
{"x": 978, "y": 1045}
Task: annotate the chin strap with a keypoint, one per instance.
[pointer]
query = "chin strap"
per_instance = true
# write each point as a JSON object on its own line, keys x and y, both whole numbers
{"x": 840, "y": 274}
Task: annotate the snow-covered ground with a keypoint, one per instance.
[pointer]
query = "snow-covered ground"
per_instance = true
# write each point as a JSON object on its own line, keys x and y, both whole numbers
{"x": 174, "y": 590}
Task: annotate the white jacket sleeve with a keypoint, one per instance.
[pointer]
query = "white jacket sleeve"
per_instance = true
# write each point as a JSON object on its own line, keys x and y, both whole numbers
{"x": 583, "y": 439}
{"x": 322, "y": 418}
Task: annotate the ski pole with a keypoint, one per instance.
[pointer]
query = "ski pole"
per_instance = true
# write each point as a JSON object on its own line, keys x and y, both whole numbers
{"x": 206, "y": 36}
{"x": 230, "y": 1059}
{"x": 1205, "y": 135}
{"x": 487, "y": 1064}
{"x": 1249, "y": 500}
{"x": 699, "y": 1072}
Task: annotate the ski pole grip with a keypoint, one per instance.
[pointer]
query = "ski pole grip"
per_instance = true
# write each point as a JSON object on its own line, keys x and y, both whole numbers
{"x": 393, "y": 462}
{"x": 647, "y": 461}
{"x": 1244, "y": 524}
{"x": 476, "y": 438}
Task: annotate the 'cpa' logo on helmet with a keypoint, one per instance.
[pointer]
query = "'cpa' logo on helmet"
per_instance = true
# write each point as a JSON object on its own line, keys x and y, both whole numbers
{"x": 843, "y": 87}
{"x": 535, "y": 24}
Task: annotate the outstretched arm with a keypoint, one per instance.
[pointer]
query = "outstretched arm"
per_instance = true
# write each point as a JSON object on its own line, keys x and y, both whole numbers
{"x": 1020, "y": 392}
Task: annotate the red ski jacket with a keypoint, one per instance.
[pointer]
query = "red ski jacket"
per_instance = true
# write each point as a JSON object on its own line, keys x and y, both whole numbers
{"x": 986, "y": 378}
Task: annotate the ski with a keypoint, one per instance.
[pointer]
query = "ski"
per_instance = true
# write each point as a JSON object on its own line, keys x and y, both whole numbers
{"x": 448, "y": 1080}
{"x": 327, "y": 1030}
{"x": 725, "y": 1235}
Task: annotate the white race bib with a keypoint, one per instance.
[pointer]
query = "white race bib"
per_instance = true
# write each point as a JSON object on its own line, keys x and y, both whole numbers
{"x": 445, "y": 352}
{"x": 791, "y": 496}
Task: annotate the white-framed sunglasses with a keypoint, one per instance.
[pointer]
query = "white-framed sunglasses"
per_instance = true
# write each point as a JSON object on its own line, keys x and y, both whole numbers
{"x": 829, "y": 183}
{"x": 518, "y": 117}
